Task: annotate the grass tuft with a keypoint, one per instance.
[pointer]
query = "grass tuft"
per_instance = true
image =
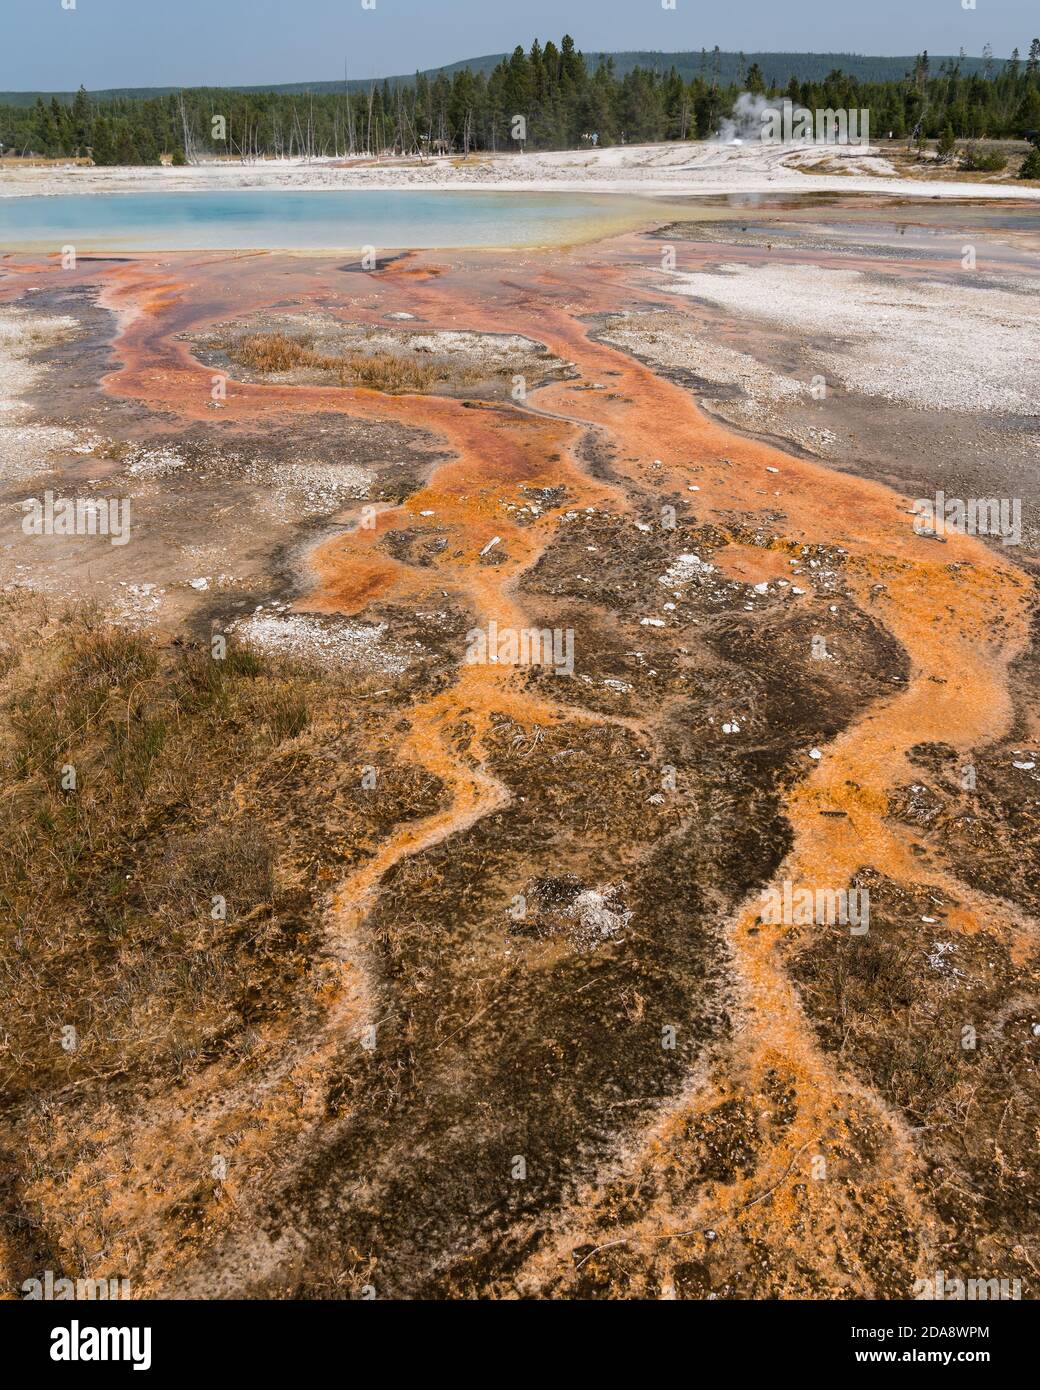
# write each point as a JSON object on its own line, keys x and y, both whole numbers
{"x": 378, "y": 371}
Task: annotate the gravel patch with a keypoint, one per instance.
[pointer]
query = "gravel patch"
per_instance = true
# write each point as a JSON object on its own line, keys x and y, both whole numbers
{"x": 712, "y": 361}
{"x": 154, "y": 463}
{"x": 328, "y": 641}
{"x": 28, "y": 449}
{"x": 297, "y": 490}
{"x": 595, "y": 916}
{"x": 898, "y": 334}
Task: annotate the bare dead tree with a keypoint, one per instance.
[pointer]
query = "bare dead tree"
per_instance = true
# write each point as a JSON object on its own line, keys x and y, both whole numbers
{"x": 190, "y": 153}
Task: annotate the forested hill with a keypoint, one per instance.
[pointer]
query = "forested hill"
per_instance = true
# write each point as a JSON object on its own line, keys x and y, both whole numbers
{"x": 554, "y": 96}
{"x": 778, "y": 69}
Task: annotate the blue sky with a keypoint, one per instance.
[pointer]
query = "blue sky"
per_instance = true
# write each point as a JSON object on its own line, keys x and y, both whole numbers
{"x": 115, "y": 43}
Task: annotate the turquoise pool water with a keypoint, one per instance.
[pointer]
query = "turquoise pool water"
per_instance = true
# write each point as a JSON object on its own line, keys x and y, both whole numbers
{"x": 336, "y": 220}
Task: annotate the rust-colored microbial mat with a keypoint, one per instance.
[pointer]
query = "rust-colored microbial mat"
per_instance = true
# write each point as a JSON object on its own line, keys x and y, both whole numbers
{"x": 544, "y": 1039}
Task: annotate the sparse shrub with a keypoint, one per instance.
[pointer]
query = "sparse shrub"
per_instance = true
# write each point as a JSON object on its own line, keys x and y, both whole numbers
{"x": 1031, "y": 165}
{"x": 976, "y": 161}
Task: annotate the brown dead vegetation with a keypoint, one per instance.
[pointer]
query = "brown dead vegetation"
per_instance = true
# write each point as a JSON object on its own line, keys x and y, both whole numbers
{"x": 170, "y": 828}
{"x": 378, "y": 371}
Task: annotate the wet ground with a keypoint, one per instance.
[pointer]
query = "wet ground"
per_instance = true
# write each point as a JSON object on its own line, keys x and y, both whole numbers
{"x": 559, "y": 1050}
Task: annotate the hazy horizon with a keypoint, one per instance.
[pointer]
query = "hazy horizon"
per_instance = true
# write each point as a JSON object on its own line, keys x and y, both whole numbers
{"x": 103, "y": 43}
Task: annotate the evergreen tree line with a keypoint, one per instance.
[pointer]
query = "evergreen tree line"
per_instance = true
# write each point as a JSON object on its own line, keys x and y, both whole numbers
{"x": 564, "y": 104}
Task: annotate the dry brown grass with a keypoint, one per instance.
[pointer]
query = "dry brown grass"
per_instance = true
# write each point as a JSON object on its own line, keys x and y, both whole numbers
{"x": 171, "y": 909}
{"x": 40, "y": 161}
{"x": 102, "y": 883}
{"x": 188, "y": 788}
{"x": 273, "y": 352}
{"x": 378, "y": 371}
